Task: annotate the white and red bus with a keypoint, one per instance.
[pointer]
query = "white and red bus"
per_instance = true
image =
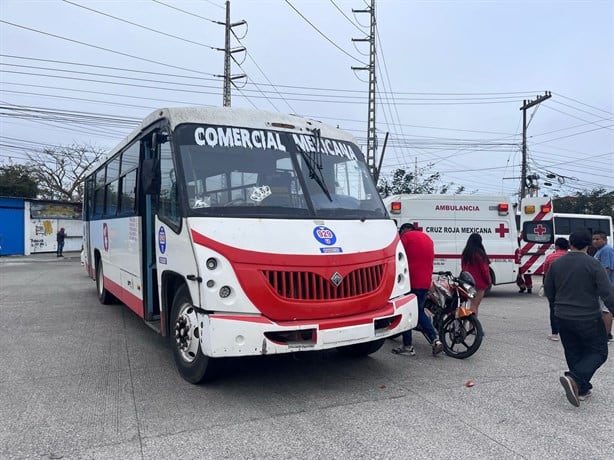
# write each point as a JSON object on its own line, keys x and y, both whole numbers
{"x": 241, "y": 232}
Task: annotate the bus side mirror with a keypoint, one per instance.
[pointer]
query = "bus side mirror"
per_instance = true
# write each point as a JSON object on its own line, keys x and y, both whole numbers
{"x": 150, "y": 176}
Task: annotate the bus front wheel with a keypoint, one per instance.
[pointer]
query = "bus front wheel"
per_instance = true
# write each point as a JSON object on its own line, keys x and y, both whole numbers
{"x": 191, "y": 363}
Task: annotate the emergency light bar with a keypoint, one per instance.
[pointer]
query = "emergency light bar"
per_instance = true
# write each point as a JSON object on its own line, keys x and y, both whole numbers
{"x": 395, "y": 207}
{"x": 530, "y": 209}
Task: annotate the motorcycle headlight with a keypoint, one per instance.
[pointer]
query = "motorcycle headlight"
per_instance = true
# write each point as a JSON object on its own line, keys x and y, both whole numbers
{"x": 471, "y": 292}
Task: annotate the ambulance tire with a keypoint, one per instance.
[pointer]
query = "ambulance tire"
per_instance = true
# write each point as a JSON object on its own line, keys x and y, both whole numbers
{"x": 361, "y": 349}
{"x": 185, "y": 332}
{"x": 104, "y": 296}
{"x": 493, "y": 282}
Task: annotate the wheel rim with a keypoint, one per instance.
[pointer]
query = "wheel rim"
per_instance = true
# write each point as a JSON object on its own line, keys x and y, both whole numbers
{"x": 187, "y": 333}
{"x": 460, "y": 335}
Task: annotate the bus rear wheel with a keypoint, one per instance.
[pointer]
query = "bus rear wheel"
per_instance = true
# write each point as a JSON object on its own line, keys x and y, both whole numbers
{"x": 191, "y": 363}
{"x": 104, "y": 296}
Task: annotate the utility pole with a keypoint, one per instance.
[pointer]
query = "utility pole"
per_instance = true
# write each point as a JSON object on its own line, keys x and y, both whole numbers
{"x": 526, "y": 104}
{"x": 371, "y": 136}
{"x": 228, "y": 78}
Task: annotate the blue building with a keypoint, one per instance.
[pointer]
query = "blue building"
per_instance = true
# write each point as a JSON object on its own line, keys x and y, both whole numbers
{"x": 29, "y": 226}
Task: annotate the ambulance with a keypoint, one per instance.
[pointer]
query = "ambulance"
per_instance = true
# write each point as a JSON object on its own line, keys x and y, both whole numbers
{"x": 450, "y": 219}
{"x": 536, "y": 234}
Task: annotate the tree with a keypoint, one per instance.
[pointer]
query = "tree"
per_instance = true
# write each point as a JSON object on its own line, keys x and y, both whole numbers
{"x": 17, "y": 181}
{"x": 597, "y": 201}
{"x": 419, "y": 181}
{"x": 60, "y": 171}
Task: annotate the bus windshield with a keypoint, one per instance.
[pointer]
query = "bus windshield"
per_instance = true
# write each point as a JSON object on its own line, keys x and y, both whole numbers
{"x": 240, "y": 172}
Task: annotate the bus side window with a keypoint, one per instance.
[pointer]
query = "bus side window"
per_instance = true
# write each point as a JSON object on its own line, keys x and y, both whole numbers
{"x": 168, "y": 201}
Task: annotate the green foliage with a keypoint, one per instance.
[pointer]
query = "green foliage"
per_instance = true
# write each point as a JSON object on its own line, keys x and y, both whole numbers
{"x": 419, "y": 181}
{"x": 597, "y": 201}
{"x": 17, "y": 181}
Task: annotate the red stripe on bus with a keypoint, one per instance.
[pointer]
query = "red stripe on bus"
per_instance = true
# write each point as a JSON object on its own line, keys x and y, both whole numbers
{"x": 253, "y": 257}
{"x": 125, "y": 296}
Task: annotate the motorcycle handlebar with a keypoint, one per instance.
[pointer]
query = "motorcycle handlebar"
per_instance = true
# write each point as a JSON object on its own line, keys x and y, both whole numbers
{"x": 443, "y": 273}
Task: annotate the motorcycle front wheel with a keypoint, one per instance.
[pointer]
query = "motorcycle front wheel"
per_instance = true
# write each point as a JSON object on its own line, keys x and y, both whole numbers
{"x": 461, "y": 337}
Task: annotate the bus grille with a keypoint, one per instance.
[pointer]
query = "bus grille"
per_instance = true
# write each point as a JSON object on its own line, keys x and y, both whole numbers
{"x": 312, "y": 286}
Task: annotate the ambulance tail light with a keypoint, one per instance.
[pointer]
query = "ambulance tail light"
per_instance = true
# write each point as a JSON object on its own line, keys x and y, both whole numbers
{"x": 504, "y": 209}
{"x": 395, "y": 207}
{"x": 546, "y": 208}
{"x": 529, "y": 209}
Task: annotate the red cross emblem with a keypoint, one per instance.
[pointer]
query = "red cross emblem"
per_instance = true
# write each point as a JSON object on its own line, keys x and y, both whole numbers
{"x": 539, "y": 229}
{"x": 502, "y": 230}
{"x": 416, "y": 226}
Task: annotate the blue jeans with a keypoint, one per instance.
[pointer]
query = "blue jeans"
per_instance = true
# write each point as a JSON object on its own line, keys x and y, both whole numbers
{"x": 60, "y": 248}
{"x": 423, "y": 319}
{"x": 586, "y": 348}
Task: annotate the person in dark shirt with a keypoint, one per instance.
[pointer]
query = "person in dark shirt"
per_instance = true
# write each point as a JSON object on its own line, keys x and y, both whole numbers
{"x": 60, "y": 237}
{"x": 561, "y": 248}
{"x": 574, "y": 284}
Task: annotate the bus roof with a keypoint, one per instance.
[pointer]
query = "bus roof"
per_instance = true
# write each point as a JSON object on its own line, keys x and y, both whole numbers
{"x": 231, "y": 116}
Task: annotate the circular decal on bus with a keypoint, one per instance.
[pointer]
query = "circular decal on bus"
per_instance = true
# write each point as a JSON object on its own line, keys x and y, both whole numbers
{"x": 324, "y": 235}
{"x": 105, "y": 237}
{"x": 162, "y": 240}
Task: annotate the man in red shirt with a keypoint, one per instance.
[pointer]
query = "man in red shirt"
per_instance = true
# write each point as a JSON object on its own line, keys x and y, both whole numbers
{"x": 420, "y": 252}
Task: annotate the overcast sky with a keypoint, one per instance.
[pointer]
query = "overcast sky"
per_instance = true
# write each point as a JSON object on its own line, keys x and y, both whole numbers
{"x": 452, "y": 76}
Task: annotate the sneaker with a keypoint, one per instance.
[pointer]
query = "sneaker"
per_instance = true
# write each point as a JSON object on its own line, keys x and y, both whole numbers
{"x": 529, "y": 290}
{"x": 403, "y": 350}
{"x": 554, "y": 337}
{"x": 437, "y": 347}
{"x": 571, "y": 390}
{"x": 585, "y": 396}
{"x": 610, "y": 338}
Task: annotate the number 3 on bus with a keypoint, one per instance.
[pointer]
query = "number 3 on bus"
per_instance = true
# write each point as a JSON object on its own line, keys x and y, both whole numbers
{"x": 238, "y": 232}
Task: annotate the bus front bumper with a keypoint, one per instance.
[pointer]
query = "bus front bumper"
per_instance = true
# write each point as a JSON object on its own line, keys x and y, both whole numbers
{"x": 227, "y": 335}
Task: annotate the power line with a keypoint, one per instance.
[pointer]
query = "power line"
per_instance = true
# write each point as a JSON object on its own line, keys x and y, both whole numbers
{"x": 322, "y": 34}
{"x": 141, "y": 26}
{"x": 102, "y": 48}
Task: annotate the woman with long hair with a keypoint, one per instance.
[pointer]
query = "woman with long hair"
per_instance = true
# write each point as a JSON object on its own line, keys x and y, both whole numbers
{"x": 475, "y": 261}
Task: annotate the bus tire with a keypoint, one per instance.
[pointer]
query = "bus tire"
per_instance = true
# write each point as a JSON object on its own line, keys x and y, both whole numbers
{"x": 191, "y": 363}
{"x": 361, "y": 349}
{"x": 104, "y": 296}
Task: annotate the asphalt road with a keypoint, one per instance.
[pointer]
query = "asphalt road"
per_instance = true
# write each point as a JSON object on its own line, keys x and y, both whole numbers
{"x": 81, "y": 380}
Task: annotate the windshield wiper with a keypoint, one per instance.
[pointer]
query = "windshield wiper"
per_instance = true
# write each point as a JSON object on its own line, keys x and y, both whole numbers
{"x": 314, "y": 164}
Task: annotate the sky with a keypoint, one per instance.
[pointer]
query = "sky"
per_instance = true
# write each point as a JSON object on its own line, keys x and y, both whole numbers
{"x": 452, "y": 77}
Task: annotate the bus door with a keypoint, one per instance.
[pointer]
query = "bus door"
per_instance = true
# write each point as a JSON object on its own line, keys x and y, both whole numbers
{"x": 150, "y": 186}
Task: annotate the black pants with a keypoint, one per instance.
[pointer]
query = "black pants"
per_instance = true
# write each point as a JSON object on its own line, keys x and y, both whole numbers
{"x": 586, "y": 348}
{"x": 554, "y": 321}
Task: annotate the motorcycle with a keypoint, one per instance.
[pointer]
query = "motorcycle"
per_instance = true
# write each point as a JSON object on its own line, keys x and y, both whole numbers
{"x": 448, "y": 301}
